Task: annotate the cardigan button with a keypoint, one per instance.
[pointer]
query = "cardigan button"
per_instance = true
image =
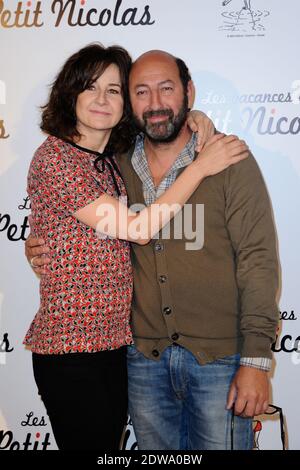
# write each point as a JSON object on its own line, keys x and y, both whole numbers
{"x": 159, "y": 247}
{"x": 167, "y": 310}
{"x": 162, "y": 278}
{"x": 155, "y": 353}
{"x": 175, "y": 336}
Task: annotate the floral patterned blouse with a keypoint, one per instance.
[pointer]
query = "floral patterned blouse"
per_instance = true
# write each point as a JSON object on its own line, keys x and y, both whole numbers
{"x": 86, "y": 296}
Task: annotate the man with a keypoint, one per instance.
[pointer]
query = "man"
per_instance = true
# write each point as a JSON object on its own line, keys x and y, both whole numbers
{"x": 203, "y": 320}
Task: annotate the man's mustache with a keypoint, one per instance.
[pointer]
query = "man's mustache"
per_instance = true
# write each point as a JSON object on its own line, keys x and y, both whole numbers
{"x": 158, "y": 112}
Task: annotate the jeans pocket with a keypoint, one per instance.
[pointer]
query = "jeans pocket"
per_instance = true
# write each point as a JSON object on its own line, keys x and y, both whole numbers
{"x": 132, "y": 352}
{"x": 232, "y": 360}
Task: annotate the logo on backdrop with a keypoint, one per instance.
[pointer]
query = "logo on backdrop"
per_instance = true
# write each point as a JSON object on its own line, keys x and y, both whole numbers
{"x": 242, "y": 19}
{"x": 14, "y": 232}
{"x": 129, "y": 441}
{"x": 287, "y": 343}
{"x": 4, "y": 344}
{"x": 5, "y": 347}
{"x": 261, "y": 112}
{"x": 29, "y": 14}
{"x": 296, "y": 92}
{"x": 3, "y": 134}
{"x": 33, "y": 440}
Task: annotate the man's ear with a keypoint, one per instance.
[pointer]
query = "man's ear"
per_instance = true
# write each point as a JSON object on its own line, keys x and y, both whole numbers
{"x": 191, "y": 93}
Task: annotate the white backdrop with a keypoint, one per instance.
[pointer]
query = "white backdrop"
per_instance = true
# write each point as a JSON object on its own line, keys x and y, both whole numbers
{"x": 245, "y": 66}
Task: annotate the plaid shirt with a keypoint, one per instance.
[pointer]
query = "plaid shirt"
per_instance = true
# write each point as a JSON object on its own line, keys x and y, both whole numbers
{"x": 151, "y": 193}
{"x": 140, "y": 164}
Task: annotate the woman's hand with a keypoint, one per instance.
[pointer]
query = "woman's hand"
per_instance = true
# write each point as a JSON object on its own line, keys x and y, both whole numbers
{"x": 200, "y": 123}
{"x": 219, "y": 153}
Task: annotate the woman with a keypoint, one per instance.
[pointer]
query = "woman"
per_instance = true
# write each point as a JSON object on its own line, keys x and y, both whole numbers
{"x": 79, "y": 335}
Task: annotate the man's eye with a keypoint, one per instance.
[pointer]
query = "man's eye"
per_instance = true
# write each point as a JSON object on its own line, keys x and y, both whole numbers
{"x": 141, "y": 92}
{"x": 167, "y": 88}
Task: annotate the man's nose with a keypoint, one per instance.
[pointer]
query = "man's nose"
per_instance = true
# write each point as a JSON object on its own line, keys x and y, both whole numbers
{"x": 155, "y": 101}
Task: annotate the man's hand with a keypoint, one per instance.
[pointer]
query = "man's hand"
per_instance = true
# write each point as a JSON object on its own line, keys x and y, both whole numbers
{"x": 249, "y": 392}
{"x": 36, "y": 248}
{"x": 200, "y": 123}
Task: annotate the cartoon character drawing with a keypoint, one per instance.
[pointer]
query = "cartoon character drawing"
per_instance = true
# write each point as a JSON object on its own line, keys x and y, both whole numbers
{"x": 247, "y": 4}
{"x": 245, "y": 15}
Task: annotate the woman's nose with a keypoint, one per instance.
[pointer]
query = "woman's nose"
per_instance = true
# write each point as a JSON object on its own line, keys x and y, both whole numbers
{"x": 101, "y": 97}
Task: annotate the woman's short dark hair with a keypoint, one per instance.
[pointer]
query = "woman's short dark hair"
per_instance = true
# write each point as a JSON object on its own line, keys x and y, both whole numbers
{"x": 76, "y": 75}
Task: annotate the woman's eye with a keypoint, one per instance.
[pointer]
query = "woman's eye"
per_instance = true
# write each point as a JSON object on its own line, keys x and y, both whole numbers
{"x": 113, "y": 91}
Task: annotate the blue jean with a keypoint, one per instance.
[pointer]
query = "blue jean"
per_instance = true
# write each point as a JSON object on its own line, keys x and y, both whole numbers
{"x": 177, "y": 404}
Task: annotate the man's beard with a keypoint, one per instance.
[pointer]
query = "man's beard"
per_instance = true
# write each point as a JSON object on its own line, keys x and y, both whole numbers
{"x": 164, "y": 131}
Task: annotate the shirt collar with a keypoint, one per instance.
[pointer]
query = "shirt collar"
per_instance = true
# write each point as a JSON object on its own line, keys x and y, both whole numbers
{"x": 140, "y": 163}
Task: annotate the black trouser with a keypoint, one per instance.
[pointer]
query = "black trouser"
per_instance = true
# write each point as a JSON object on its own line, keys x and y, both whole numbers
{"x": 85, "y": 395}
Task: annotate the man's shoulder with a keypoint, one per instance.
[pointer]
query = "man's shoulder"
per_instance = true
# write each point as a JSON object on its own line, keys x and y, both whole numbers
{"x": 247, "y": 168}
